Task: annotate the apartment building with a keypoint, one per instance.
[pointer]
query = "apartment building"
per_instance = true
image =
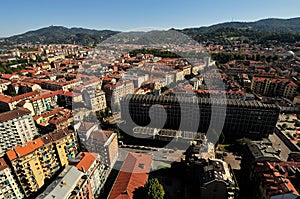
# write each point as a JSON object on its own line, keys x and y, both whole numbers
{"x": 45, "y": 102}
{"x": 27, "y": 166}
{"x": 290, "y": 90}
{"x": 16, "y": 128}
{"x": 103, "y": 142}
{"x": 276, "y": 180}
{"x": 91, "y": 166}
{"x": 9, "y": 188}
{"x": 49, "y": 157}
{"x": 71, "y": 183}
{"x": 94, "y": 98}
{"x": 40, "y": 159}
{"x": 8, "y": 103}
{"x": 273, "y": 87}
{"x": 217, "y": 181}
{"x": 66, "y": 145}
{"x": 113, "y": 92}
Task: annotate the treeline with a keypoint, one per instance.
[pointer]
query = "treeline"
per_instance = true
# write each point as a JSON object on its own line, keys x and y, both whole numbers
{"x": 223, "y": 58}
{"x": 155, "y": 52}
{"x": 225, "y": 36}
{"x": 5, "y": 66}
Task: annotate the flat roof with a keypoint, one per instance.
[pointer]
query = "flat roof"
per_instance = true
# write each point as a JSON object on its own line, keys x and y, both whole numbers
{"x": 212, "y": 100}
{"x": 64, "y": 184}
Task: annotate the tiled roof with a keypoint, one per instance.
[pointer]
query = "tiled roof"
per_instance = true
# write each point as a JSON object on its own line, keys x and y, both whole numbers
{"x": 133, "y": 174}
{"x": 86, "y": 161}
{"x": 21, "y": 151}
{"x": 6, "y": 76}
{"x": 272, "y": 181}
{"x": 59, "y": 134}
{"x": 47, "y": 95}
{"x": 3, "y": 164}
{"x": 47, "y": 139}
{"x": 100, "y": 136}
{"x": 9, "y": 99}
{"x": 292, "y": 84}
{"x": 18, "y": 112}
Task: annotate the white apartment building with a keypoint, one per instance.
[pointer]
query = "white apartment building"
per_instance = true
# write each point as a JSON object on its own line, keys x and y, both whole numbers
{"x": 16, "y": 128}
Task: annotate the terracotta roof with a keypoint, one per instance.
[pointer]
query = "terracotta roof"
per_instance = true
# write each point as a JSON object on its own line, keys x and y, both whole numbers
{"x": 70, "y": 94}
{"x": 274, "y": 182}
{"x": 47, "y": 139}
{"x": 100, "y": 136}
{"x": 52, "y": 112}
{"x": 5, "y": 98}
{"x": 59, "y": 119}
{"x": 21, "y": 151}
{"x": 133, "y": 174}
{"x": 6, "y": 76}
{"x": 26, "y": 95}
{"x": 47, "y": 95}
{"x": 18, "y": 112}
{"x": 3, "y": 164}
{"x": 11, "y": 154}
{"x": 59, "y": 134}
{"x": 86, "y": 161}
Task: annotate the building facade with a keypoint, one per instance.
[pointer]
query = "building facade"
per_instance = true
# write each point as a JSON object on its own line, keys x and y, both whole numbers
{"x": 274, "y": 87}
{"x": 106, "y": 144}
{"x": 241, "y": 118}
{"x": 28, "y": 167}
{"x": 9, "y": 187}
{"x": 91, "y": 166}
{"x": 40, "y": 159}
{"x": 94, "y": 99}
{"x": 114, "y": 92}
{"x": 16, "y": 128}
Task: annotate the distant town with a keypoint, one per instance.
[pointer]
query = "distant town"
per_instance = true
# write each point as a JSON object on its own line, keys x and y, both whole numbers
{"x": 80, "y": 121}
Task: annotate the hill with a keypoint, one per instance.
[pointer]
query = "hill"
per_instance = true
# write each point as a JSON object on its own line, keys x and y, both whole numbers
{"x": 60, "y": 34}
{"x": 264, "y": 25}
{"x": 282, "y": 30}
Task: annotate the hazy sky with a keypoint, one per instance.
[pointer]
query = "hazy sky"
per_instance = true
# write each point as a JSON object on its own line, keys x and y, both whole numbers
{"x": 19, "y": 16}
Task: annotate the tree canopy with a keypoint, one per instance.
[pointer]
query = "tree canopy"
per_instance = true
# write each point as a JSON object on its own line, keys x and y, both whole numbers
{"x": 151, "y": 190}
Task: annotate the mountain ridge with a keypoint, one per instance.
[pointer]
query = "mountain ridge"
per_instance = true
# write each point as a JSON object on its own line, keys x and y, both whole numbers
{"x": 84, "y": 36}
{"x": 263, "y": 25}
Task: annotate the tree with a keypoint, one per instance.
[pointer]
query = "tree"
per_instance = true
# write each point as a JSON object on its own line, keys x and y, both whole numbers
{"x": 243, "y": 141}
{"x": 154, "y": 190}
{"x": 151, "y": 190}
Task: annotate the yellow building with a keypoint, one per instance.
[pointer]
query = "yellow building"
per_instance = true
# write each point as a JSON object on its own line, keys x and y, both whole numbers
{"x": 66, "y": 145}
{"x": 41, "y": 159}
{"x": 27, "y": 166}
{"x": 48, "y": 157}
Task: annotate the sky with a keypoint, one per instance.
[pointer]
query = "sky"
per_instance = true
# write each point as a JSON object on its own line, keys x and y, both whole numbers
{"x": 19, "y": 16}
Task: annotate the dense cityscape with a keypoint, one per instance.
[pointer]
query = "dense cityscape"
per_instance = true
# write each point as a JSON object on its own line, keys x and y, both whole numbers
{"x": 210, "y": 112}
